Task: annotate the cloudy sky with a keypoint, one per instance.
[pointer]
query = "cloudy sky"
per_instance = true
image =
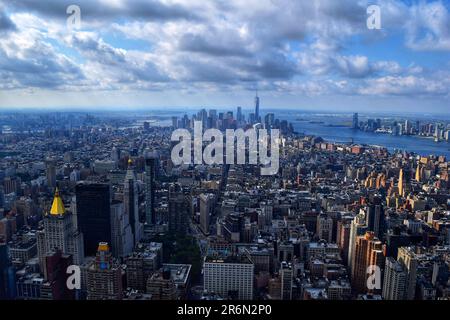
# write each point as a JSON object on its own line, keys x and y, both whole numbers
{"x": 190, "y": 53}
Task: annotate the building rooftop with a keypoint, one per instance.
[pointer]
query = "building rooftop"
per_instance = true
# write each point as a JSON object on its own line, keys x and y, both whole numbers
{"x": 179, "y": 272}
{"x": 57, "y": 208}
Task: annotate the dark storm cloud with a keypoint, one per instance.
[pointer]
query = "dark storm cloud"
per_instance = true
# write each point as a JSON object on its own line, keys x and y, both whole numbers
{"x": 105, "y": 10}
{"x": 271, "y": 66}
{"x": 215, "y": 46}
{"x": 5, "y": 22}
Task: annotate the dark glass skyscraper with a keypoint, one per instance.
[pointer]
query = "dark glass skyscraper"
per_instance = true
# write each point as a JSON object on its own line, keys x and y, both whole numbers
{"x": 257, "y": 107}
{"x": 150, "y": 175}
{"x": 355, "y": 122}
{"x": 5, "y": 273}
{"x": 94, "y": 214}
{"x": 130, "y": 201}
{"x": 179, "y": 209}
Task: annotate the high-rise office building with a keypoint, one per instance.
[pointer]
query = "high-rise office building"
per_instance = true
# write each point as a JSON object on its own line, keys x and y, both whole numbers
{"x": 130, "y": 201}
{"x": 355, "y": 123}
{"x": 115, "y": 155}
{"x": 206, "y": 209}
{"x": 229, "y": 277}
{"x": 286, "y": 276}
{"x": 136, "y": 276}
{"x": 357, "y": 228}
{"x": 257, "y": 116}
{"x": 408, "y": 127}
{"x": 2, "y": 196}
{"x": 401, "y": 184}
{"x": 161, "y": 285}
{"x": 407, "y": 257}
{"x": 50, "y": 168}
{"x": 93, "y": 203}
{"x": 122, "y": 242}
{"x": 324, "y": 228}
{"x": 343, "y": 236}
{"x": 150, "y": 176}
{"x": 55, "y": 286}
{"x": 269, "y": 120}
{"x": 180, "y": 206}
{"x": 395, "y": 280}
{"x": 368, "y": 251}
{"x": 59, "y": 233}
{"x": 104, "y": 276}
{"x": 418, "y": 174}
{"x": 376, "y": 218}
{"x": 174, "y": 122}
{"x": 7, "y": 274}
{"x": 141, "y": 264}
{"x": 239, "y": 117}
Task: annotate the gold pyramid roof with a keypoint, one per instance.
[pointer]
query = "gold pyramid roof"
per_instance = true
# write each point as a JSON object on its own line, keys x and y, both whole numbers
{"x": 57, "y": 208}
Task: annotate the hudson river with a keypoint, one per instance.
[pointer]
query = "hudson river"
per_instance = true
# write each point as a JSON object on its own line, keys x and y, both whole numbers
{"x": 320, "y": 127}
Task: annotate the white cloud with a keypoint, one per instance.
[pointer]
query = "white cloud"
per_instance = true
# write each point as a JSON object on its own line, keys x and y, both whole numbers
{"x": 297, "y": 47}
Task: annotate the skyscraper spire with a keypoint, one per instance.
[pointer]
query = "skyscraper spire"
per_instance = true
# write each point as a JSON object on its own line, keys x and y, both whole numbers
{"x": 57, "y": 208}
{"x": 257, "y": 106}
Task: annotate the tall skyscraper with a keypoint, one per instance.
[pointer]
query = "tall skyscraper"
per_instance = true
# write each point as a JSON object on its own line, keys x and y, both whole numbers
{"x": 206, "y": 207}
{"x": 50, "y": 165}
{"x": 286, "y": 275}
{"x": 150, "y": 175}
{"x": 115, "y": 155}
{"x": 130, "y": 201}
{"x": 395, "y": 279}
{"x": 122, "y": 241}
{"x": 407, "y": 257}
{"x": 418, "y": 173}
{"x": 269, "y": 120}
{"x": 174, "y": 122}
{"x": 408, "y": 127}
{"x": 257, "y": 116}
{"x": 59, "y": 233}
{"x": 93, "y": 203}
{"x": 141, "y": 264}
{"x": 7, "y": 274}
{"x": 376, "y": 218}
{"x": 355, "y": 123}
{"x": 357, "y": 228}
{"x": 180, "y": 206}
{"x": 104, "y": 276}
{"x": 401, "y": 183}
{"x": 55, "y": 286}
{"x": 368, "y": 251}
{"x": 239, "y": 114}
{"x": 2, "y": 196}
{"x": 343, "y": 237}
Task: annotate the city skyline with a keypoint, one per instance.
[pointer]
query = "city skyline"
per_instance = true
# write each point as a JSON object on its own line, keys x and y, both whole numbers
{"x": 148, "y": 54}
{"x": 98, "y": 209}
{"x": 225, "y": 155}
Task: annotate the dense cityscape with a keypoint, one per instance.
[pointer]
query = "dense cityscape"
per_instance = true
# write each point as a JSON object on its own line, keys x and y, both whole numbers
{"x": 238, "y": 158}
{"x": 439, "y": 131}
{"x": 99, "y": 192}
